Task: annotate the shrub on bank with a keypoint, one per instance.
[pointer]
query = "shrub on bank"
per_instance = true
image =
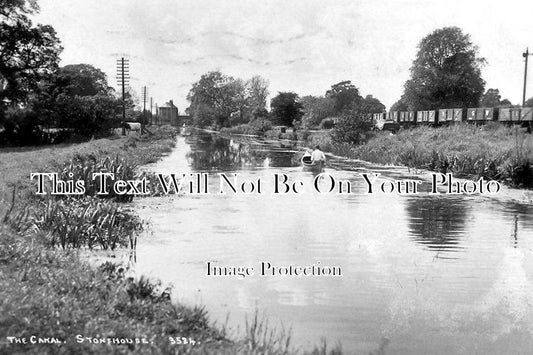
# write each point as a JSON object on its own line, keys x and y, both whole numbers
{"x": 327, "y": 123}
{"x": 243, "y": 129}
{"x": 353, "y": 127}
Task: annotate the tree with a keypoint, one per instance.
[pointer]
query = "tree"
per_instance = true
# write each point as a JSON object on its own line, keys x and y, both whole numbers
{"x": 81, "y": 80}
{"x": 87, "y": 115}
{"x": 131, "y": 98}
{"x": 214, "y": 98}
{"x": 491, "y": 98}
{"x": 286, "y": 108}
{"x": 446, "y": 72}
{"x": 28, "y": 53}
{"x": 507, "y": 103}
{"x": 316, "y": 109}
{"x": 237, "y": 99}
{"x": 74, "y": 82}
{"x": 399, "y": 105}
{"x": 257, "y": 92}
{"x": 345, "y": 95}
{"x": 260, "y": 119}
{"x": 371, "y": 105}
{"x": 12, "y": 10}
{"x": 529, "y": 102}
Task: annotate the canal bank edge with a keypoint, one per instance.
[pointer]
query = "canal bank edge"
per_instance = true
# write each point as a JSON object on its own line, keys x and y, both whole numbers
{"x": 53, "y": 294}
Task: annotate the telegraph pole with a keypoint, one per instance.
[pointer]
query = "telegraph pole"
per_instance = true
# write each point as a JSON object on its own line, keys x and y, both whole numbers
{"x": 144, "y": 110}
{"x": 151, "y": 115}
{"x": 525, "y": 55}
{"x": 123, "y": 78}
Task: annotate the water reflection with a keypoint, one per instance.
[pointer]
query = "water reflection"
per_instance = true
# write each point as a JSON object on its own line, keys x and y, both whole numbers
{"x": 523, "y": 212}
{"x": 437, "y": 223}
{"x": 211, "y": 152}
{"x": 400, "y": 279}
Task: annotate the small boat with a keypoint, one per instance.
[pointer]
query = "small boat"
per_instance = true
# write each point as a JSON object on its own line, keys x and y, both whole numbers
{"x": 310, "y": 165}
{"x": 185, "y": 131}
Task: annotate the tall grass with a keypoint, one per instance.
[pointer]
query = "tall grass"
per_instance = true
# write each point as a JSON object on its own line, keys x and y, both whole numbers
{"x": 261, "y": 338}
{"x": 82, "y": 168}
{"x": 89, "y": 220}
{"x": 71, "y": 223}
{"x": 493, "y": 151}
{"x": 89, "y": 223}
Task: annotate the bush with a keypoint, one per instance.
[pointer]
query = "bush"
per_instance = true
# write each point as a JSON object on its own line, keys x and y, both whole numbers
{"x": 261, "y": 123}
{"x": 22, "y": 127}
{"x": 520, "y": 173}
{"x": 327, "y": 123}
{"x": 242, "y": 129}
{"x": 353, "y": 127}
{"x": 88, "y": 115}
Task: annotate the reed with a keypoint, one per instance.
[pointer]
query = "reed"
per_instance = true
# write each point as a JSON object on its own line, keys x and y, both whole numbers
{"x": 90, "y": 223}
{"x": 261, "y": 338}
{"x": 82, "y": 167}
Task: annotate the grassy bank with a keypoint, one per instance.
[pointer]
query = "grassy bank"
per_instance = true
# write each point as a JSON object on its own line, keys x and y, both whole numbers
{"x": 46, "y": 290}
{"x": 492, "y": 151}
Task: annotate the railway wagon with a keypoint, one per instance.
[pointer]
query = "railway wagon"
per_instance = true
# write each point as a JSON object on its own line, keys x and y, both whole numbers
{"x": 421, "y": 117}
{"x": 443, "y": 115}
{"x": 403, "y": 116}
{"x": 477, "y": 115}
{"x": 377, "y": 117}
{"x": 458, "y": 114}
{"x": 481, "y": 114}
{"x": 508, "y": 114}
{"x": 450, "y": 115}
{"x": 526, "y": 115}
{"x": 425, "y": 117}
{"x": 432, "y": 117}
{"x": 505, "y": 114}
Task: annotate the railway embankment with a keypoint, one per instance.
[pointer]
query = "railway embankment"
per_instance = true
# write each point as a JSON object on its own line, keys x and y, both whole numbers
{"x": 493, "y": 151}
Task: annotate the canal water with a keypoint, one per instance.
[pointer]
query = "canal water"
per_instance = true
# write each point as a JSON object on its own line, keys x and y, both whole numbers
{"x": 421, "y": 274}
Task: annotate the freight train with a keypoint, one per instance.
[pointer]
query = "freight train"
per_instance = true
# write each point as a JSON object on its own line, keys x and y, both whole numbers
{"x": 508, "y": 115}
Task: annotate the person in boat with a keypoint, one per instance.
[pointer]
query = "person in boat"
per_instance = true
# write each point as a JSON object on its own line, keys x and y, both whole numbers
{"x": 318, "y": 157}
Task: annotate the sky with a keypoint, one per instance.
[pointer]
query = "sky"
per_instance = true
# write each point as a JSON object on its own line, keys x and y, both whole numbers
{"x": 299, "y": 46}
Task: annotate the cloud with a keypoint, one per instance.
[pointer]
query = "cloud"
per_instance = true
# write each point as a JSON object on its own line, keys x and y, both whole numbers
{"x": 298, "y": 45}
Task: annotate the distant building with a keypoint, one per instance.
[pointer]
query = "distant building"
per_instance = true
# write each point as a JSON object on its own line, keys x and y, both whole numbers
{"x": 168, "y": 114}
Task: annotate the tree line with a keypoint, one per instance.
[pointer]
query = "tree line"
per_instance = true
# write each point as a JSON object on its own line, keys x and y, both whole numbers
{"x": 77, "y": 99}
{"x": 446, "y": 73}
{"x": 218, "y": 100}
{"x": 35, "y": 93}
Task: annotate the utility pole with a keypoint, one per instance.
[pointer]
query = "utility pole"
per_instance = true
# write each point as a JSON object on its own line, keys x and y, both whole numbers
{"x": 526, "y": 54}
{"x": 144, "y": 110}
{"x": 151, "y": 115}
{"x": 156, "y": 115}
{"x": 123, "y": 78}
